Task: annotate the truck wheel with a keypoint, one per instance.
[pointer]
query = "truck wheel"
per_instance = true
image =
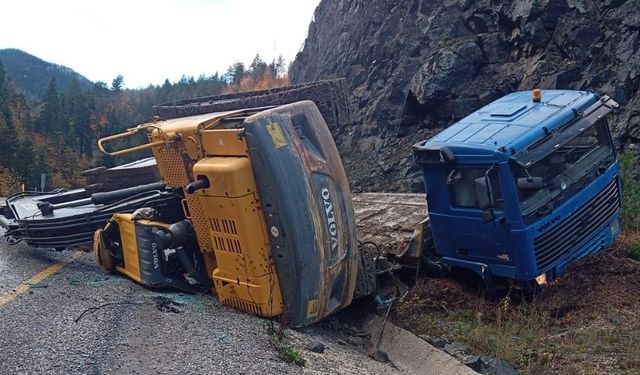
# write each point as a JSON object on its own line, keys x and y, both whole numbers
{"x": 366, "y": 279}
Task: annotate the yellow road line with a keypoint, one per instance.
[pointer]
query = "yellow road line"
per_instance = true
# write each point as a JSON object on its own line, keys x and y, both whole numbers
{"x": 37, "y": 278}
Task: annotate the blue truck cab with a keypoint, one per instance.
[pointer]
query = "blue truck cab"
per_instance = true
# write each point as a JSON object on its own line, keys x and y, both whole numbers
{"x": 524, "y": 186}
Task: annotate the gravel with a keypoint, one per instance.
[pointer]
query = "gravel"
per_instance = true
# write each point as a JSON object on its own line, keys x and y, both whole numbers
{"x": 87, "y": 322}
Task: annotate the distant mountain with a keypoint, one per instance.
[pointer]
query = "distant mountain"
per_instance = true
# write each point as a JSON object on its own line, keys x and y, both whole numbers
{"x": 31, "y": 75}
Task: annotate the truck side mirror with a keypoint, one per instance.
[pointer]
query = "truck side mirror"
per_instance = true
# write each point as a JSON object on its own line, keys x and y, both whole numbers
{"x": 530, "y": 183}
{"x": 483, "y": 192}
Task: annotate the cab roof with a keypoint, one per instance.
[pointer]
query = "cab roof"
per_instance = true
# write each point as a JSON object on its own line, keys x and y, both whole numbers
{"x": 512, "y": 122}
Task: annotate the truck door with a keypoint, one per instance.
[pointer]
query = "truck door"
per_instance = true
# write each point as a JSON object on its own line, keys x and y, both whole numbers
{"x": 477, "y": 229}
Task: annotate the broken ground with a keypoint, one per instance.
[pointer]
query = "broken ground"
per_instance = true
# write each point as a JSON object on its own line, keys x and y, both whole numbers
{"x": 587, "y": 322}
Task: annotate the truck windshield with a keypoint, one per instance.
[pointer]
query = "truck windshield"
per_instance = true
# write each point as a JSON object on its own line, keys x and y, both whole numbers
{"x": 565, "y": 170}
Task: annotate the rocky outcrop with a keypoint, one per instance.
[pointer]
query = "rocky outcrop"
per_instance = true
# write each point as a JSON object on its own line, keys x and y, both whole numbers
{"x": 416, "y": 66}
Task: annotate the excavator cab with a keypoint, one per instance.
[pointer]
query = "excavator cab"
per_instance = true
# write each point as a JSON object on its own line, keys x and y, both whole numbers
{"x": 267, "y": 222}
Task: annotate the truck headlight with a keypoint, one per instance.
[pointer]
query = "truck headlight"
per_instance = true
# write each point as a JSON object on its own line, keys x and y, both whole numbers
{"x": 542, "y": 279}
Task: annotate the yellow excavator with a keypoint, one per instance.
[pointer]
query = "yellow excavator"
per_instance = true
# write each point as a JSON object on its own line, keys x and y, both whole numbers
{"x": 267, "y": 221}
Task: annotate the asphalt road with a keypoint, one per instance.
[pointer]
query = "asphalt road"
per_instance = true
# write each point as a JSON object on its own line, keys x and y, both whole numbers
{"x": 60, "y": 314}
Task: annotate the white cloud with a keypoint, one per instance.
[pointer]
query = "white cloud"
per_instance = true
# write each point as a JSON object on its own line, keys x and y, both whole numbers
{"x": 149, "y": 40}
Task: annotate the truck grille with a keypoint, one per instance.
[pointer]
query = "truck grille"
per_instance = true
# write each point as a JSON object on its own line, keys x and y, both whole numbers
{"x": 577, "y": 228}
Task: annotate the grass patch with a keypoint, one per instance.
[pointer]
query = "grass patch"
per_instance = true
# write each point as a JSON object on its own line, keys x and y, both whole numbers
{"x": 634, "y": 252}
{"x": 621, "y": 343}
{"x": 629, "y": 241}
{"x": 291, "y": 355}
{"x": 630, "y": 205}
{"x": 282, "y": 345}
{"x": 631, "y": 192}
{"x": 513, "y": 336}
{"x": 513, "y": 332}
{"x": 527, "y": 337}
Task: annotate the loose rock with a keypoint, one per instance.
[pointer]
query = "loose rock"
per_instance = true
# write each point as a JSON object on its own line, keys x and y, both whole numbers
{"x": 316, "y": 347}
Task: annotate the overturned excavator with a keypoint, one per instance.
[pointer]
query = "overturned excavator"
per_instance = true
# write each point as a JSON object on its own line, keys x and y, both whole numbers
{"x": 245, "y": 196}
{"x": 266, "y": 221}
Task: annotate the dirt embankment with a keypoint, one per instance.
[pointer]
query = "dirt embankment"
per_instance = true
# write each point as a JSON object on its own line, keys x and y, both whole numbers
{"x": 586, "y": 322}
{"x": 594, "y": 287}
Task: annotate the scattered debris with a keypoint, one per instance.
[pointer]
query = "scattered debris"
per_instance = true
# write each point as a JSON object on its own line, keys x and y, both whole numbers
{"x": 482, "y": 364}
{"x": 491, "y": 365}
{"x": 380, "y": 356}
{"x": 436, "y": 342}
{"x": 316, "y": 347}
{"x": 165, "y": 304}
{"x": 456, "y": 349}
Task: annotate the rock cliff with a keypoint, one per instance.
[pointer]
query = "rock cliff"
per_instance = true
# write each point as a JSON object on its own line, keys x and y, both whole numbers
{"x": 415, "y": 66}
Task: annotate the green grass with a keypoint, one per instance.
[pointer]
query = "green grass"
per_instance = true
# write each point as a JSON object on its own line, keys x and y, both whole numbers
{"x": 514, "y": 334}
{"x": 291, "y": 355}
{"x": 526, "y": 336}
{"x": 634, "y": 252}
{"x": 630, "y": 204}
{"x": 282, "y": 344}
{"x": 631, "y": 192}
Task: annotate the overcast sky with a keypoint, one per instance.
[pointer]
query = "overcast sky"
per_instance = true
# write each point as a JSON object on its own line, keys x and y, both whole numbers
{"x": 149, "y": 40}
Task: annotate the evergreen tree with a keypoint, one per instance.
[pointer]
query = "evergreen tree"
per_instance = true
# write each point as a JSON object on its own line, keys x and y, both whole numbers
{"x": 279, "y": 69}
{"x": 27, "y": 168}
{"x": 4, "y": 85}
{"x": 100, "y": 86}
{"x": 258, "y": 68}
{"x": 235, "y": 73}
{"x": 51, "y": 116}
{"x": 8, "y": 141}
{"x": 165, "y": 91}
{"x": 118, "y": 84}
{"x": 78, "y": 118}
{"x": 20, "y": 106}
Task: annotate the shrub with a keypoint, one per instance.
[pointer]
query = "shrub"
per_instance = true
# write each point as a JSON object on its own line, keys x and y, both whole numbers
{"x": 9, "y": 182}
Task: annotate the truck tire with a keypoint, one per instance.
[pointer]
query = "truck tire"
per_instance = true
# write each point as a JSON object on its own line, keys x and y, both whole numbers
{"x": 366, "y": 279}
